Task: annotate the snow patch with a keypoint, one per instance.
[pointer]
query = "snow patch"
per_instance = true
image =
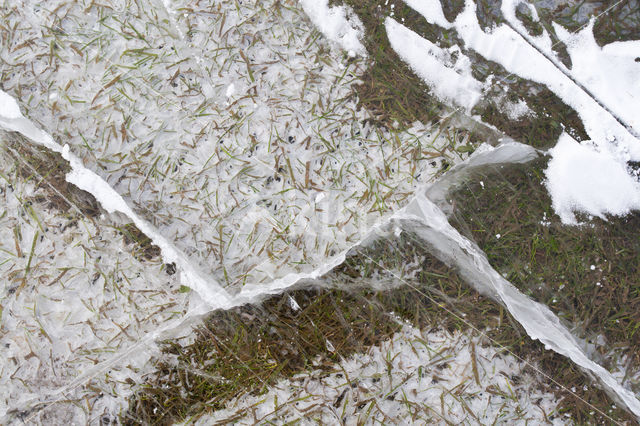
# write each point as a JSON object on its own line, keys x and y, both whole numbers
{"x": 446, "y": 72}
{"x": 338, "y": 24}
{"x": 580, "y": 178}
{"x": 602, "y": 87}
{"x": 9, "y": 108}
{"x": 431, "y": 10}
{"x": 610, "y": 72}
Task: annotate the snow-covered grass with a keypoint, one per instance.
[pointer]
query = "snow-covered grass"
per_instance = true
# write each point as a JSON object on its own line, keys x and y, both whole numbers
{"x": 237, "y": 133}
{"x": 73, "y": 296}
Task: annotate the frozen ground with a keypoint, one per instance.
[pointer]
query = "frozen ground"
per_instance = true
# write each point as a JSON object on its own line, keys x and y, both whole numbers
{"x": 415, "y": 377}
{"x": 232, "y": 130}
{"x": 238, "y": 122}
{"x": 73, "y": 296}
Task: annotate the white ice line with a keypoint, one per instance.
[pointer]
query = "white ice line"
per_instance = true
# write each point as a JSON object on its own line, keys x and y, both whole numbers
{"x": 210, "y": 291}
{"x": 430, "y": 224}
{"x": 455, "y": 250}
{"x": 87, "y": 180}
{"x": 250, "y": 294}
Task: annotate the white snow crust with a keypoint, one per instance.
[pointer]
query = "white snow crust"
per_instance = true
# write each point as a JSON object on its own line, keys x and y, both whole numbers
{"x": 449, "y": 79}
{"x": 602, "y": 86}
{"x": 581, "y": 178}
{"x": 338, "y": 24}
